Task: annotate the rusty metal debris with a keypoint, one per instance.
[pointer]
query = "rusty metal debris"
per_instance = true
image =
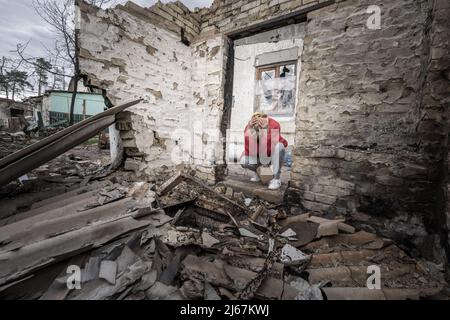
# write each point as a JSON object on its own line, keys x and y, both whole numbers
{"x": 186, "y": 240}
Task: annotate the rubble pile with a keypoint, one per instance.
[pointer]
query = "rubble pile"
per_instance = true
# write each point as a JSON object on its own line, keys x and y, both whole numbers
{"x": 82, "y": 162}
{"x": 186, "y": 240}
{"x": 77, "y": 163}
{"x": 11, "y": 142}
{"x": 79, "y": 166}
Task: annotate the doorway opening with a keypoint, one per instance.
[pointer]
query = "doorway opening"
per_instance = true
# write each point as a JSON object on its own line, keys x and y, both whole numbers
{"x": 265, "y": 72}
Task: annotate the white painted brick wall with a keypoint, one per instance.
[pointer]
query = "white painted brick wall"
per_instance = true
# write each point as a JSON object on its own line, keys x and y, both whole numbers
{"x": 175, "y": 70}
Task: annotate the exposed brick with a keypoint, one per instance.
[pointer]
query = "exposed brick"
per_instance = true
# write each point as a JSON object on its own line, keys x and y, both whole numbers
{"x": 132, "y": 165}
{"x": 372, "y": 133}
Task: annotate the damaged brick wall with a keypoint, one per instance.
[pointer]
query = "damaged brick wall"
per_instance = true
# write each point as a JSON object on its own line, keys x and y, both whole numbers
{"x": 358, "y": 147}
{"x": 232, "y": 15}
{"x": 372, "y": 131}
{"x": 208, "y": 78}
{"x": 134, "y": 52}
{"x": 371, "y": 116}
{"x": 126, "y": 51}
{"x": 433, "y": 127}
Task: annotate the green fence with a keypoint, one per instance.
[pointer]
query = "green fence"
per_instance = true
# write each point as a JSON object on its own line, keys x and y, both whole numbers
{"x": 56, "y": 117}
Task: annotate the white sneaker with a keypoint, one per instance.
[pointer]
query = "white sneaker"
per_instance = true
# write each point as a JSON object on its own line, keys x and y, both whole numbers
{"x": 255, "y": 178}
{"x": 275, "y": 184}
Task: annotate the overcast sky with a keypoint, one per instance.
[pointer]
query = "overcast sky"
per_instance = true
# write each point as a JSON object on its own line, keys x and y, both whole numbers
{"x": 19, "y": 23}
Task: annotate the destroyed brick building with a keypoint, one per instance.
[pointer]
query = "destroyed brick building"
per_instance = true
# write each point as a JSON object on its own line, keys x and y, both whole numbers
{"x": 369, "y": 126}
{"x": 361, "y": 90}
{"x": 11, "y": 111}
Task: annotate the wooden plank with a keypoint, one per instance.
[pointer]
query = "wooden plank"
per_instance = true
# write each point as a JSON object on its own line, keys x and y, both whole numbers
{"x": 19, "y": 263}
{"x": 170, "y": 184}
{"x": 60, "y": 204}
{"x": 28, "y": 223}
{"x": 78, "y": 191}
{"x": 215, "y": 193}
{"x": 11, "y": 206}
{"x": 256, "y": 190}
{"x": 60, "y": 225}
{"x": 180, "y": 177}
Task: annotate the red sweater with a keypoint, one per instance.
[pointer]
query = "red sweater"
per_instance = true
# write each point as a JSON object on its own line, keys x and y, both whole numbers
{"x": 266, "y": 141}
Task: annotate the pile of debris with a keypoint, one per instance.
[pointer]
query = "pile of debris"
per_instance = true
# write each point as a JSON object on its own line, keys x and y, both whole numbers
{"x": 11, "y": 142}
{"x": 186, "y": 240}
{"x": 79, "y": 166}
{"x": 82, "y": 162}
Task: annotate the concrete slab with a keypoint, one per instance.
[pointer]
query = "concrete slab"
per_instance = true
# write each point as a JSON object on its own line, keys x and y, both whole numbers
{"x": 235, "y": 170}
{"x": 255, "y": 189}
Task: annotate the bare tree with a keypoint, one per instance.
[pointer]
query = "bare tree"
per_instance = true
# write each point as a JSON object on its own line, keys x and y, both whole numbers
{"x": 33, "y": 62}
{"x": 60, "y": 16}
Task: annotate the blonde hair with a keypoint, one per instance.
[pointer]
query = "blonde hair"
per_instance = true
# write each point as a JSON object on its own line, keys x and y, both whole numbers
{"x": 259, "y": 115}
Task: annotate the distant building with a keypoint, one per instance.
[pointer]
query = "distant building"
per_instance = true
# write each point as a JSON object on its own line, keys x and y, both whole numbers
{"x": 11, "y": 111}
{"x": 56, "y": 106}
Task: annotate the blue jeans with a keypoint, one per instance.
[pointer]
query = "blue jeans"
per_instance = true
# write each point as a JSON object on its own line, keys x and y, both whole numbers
{"x": 276, "y": 160}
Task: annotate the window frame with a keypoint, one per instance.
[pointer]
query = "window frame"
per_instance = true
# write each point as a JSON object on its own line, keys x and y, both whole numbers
{"x": 276, "y": 67}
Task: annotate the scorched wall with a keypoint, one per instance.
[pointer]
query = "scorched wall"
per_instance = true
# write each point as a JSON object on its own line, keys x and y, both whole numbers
{"x": 359, "y": 145}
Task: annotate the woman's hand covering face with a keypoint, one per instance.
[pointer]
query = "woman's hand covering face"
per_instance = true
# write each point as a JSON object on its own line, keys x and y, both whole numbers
{"x": 262, "y": 123}
{"x": 254, "y": 122}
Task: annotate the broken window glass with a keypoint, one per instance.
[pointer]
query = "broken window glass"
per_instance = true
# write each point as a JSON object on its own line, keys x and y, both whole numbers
{"x": 275, "y": 89}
